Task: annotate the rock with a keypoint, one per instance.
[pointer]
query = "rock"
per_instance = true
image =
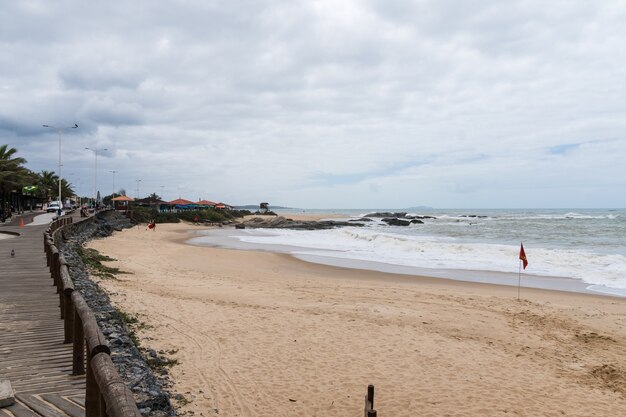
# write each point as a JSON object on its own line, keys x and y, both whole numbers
{"x": 283, "y": 223}
{"x": 386, "y": 214}
{"x": 396, "y": 222}
{"x": 416, "y": 221}
{"x": 240, "y": 226}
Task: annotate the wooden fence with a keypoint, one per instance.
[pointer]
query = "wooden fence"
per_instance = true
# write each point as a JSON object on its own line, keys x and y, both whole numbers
{"x": 106, "y": 393}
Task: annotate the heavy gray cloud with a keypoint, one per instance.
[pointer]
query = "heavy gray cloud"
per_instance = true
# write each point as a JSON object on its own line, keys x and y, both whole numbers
{"x": 325, "y": 103}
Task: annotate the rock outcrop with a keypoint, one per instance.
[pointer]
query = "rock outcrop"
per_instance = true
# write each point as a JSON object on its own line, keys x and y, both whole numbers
{"x": 281, "y": 222}
{"x": 398, "y": 215}
{"x": 392, "y": 221}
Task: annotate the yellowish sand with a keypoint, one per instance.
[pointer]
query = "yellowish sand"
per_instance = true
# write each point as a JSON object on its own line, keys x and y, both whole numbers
{"x": 262, "y": 334}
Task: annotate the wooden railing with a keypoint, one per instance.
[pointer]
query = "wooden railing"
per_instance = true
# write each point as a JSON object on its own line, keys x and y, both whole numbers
{"x": 369, "y": 402}
{"x": 106, "y": 393}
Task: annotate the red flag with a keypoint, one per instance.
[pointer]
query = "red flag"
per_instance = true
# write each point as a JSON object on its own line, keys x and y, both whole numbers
{"x": 522, "y": 255}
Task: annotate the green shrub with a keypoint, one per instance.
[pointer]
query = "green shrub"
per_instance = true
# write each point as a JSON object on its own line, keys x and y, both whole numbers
{"x": 145, "y": 215}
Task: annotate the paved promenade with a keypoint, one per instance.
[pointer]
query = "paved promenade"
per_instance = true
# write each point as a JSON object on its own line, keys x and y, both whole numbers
{"x": 32, "y": 354}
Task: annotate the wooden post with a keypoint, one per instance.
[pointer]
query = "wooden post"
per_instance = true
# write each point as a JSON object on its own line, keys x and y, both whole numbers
{"x": 60, "y": 286}
{"x": 371, "y": 413}
{"x": 118, "y": 399}
{"x": 103, "y": 407}
{"x": 69, "y": 316}
{"x": 94, "y": 339}
{"x": 78, "y": 354}
{"x": 92, "y": 393}
{"x": 55, "y": 267}
{"x": 49, "y": 252}
{"x": 369, "y": 402}
{"x": 68, "y": 303}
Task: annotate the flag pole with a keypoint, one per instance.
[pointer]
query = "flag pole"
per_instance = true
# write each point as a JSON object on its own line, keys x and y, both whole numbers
{"x": 519, "y": 278}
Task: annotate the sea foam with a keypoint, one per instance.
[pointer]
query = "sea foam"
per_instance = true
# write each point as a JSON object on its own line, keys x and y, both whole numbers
{"x": 372, "y": 244}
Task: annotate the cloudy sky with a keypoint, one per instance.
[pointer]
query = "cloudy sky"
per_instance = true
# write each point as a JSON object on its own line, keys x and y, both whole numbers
{"x": 324, "y": 104}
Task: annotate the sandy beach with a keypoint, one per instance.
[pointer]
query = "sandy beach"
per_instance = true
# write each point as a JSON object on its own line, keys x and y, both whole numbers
{"x": 265, "y": 334}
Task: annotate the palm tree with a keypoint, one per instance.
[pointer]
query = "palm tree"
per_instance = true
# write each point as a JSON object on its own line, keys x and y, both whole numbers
{"x": 13, "y": 176}
{"x": 48, "y": 181}
{"x": 66, "y": 188}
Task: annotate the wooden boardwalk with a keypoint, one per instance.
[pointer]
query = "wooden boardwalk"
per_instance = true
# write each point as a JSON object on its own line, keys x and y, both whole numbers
{"x": 32, "y": 354}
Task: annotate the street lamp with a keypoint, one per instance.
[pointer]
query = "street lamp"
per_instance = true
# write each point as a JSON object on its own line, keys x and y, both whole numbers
{"x": 60, "y": 131}
{"x": 113, "y": 172}
{"x": 137, "y": 194}
{"x": 95, "y": 180}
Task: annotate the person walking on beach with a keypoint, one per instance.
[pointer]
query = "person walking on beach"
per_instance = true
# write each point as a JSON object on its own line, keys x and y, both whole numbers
{"x": 152, "y": 225}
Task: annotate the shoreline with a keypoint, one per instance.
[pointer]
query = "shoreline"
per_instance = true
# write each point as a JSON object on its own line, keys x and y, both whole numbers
{"x": 252, "y": 331}
{"x": 224, "y": 238}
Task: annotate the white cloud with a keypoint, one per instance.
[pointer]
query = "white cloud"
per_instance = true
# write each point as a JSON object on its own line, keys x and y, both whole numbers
{"x": 323, "y": 103}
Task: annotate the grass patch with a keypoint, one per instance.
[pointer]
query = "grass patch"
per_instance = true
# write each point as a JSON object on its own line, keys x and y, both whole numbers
{"x": 130, "y": 322}
{"x": 158, "y": 362}
{"x": 93, "y": 261}
{"x": 127, "y": 318}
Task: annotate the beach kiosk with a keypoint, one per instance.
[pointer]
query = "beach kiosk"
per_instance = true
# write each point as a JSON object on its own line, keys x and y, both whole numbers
{"x": 121, "y": 203}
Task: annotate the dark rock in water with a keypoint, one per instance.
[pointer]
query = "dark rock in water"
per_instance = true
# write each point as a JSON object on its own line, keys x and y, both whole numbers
{"x": 283, "y": 223}
{"x": 362, "y": 219}
{"x": 396, "y": 222}
{"x": 416, "y": 221}
{"x": 240, "y": 226}
{"x": 386, "y": 214}
{"x": 398, "y": 215}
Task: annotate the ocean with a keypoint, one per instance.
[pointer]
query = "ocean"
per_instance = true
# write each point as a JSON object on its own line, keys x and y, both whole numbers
{"x": 569, "y": 249}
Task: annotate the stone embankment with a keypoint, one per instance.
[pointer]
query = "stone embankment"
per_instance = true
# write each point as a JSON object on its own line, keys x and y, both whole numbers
{"x": 152, "y": 399}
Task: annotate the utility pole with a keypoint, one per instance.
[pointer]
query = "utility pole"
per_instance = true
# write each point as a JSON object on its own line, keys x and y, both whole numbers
{"x": 113, "y": 172}
{"x": 60, "y": 130}
{"x": 95, "y": 180}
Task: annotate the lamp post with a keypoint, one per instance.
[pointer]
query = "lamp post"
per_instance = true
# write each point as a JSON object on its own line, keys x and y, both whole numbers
{"x": 60, "y": 131}
{"x": 113, "y": 172}
{"x": 137, "y": 194}
{"x": 95, "y": 180}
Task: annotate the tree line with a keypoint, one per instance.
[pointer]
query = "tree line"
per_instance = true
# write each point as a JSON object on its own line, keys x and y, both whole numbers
{"x": 21, "y": 188}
